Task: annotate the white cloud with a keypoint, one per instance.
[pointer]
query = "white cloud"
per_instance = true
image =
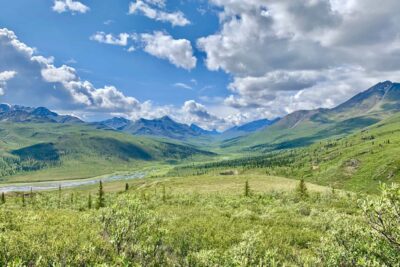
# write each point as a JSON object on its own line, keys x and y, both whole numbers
{"x": 61, "y": 74}
{"x": 36, "y": 81}
{"x": 183, "y": 85}
{"x": 285, "y": 55}
{"x": 120, "y": 40}
{"x": 40, "y": 83}
{"x": 4, "y": 77}
{"x": 62, "y": 6}
{"x": 7, "y": 75}
{"x": 153, "y": 12}
{"x": 108, "y": 22}
{"x": 177, "y": 51}
{"x": 197, "y": 113}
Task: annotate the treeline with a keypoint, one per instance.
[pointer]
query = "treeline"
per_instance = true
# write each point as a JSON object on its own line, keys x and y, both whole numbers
{"x": 283, "y": 159}
{"x": 14, "y": 165}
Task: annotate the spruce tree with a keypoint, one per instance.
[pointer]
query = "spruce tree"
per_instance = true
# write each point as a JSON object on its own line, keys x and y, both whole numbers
{"x": 246, "y": 189}
{"x": 3, "y": 198}
{"x": 23, "y": 199}
{"x": 32, "y": 196}
{"x": 59, "y": 196}
{"x": 90, "y": 201}
{"x": 164, "y": 194}
{"x": 101, "y": 200}
{"x": 302, "y": 189}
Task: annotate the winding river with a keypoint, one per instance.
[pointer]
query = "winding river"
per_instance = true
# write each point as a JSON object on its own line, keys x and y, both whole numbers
{"x": 51, "y": 185}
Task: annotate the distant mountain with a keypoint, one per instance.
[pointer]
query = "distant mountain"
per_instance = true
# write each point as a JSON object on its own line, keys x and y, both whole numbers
{"x": 116, "y": 123}
{"x": 304, "y": 127}
{"x": 162, "y": 127}
{"x": 16, "y": 113}
{"x": 201, "y": 131}
{"x": 31, "y": 146}
{"x": 247, "y": 128}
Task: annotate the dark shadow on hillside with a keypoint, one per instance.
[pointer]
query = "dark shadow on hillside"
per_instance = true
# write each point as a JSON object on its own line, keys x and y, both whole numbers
{"x": 171, "y": 150}
{"x": 39, "y": 152}
{"x": 115, "y": 148}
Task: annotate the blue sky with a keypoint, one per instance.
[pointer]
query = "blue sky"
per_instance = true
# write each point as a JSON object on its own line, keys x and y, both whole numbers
{"x": 216, "y": 63}
{"x": 65, "y": 36}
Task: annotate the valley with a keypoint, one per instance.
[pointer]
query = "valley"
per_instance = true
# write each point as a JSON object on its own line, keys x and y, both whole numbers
{"x": 269, "y": 193}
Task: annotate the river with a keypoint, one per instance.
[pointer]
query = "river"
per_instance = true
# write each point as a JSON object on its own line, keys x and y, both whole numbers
{"x": 51, "y": 185}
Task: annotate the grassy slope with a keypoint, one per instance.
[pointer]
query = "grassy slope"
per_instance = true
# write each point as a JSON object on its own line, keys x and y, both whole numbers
{"x": 357, "y": 162}
{"x": 303, "y": 128}
{"x": 53, "y": 151}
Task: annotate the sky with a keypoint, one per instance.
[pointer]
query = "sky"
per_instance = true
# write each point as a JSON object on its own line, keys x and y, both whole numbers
{"x": 216, "y": 63}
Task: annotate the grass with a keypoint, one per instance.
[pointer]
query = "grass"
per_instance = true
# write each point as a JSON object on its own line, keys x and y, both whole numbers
{"x": 357, "y": 162}
{"x": 197, "y": 221}
{"x": 41, "y": 152}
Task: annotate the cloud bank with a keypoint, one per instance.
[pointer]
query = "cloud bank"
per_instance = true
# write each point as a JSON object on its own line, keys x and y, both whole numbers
{"x": 285, "y": 55}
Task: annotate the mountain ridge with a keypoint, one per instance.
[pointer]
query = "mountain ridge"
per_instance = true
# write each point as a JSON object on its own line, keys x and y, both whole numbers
{"x": 303, "y": 127}
{"x": 17, "y": 113}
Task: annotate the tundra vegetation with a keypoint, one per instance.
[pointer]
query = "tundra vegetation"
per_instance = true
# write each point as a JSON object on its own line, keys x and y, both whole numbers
{"x": 179, "y": 222}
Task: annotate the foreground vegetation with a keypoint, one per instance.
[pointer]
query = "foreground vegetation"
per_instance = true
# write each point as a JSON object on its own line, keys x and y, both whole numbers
{"x": 189, "y": 222}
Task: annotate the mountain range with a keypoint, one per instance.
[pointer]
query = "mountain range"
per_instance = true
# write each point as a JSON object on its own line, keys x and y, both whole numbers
{"x": 296, "y": 129}
{"x": 16, "y": 113}
{"x": 162, "y": 127}
{"x": 304, "y": 127}
{"x": 37, "y": 139}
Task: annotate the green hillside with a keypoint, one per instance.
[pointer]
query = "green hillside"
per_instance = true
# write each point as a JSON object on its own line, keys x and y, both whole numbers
{"x": 304, "y": 127}
{"x": 53, "y": 151}
{"x": 357, "y": 162}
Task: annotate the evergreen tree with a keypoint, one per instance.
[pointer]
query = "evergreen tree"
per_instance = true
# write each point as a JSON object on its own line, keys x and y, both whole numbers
{"x": 302, "y": 189}
{"x": 3, "y": 198}
{"x": 101, "y": 200}
{"x": 23, "y": 199}
{"x": 59, "y": 196}
{"x": 164, "y": 194}
{"x": 90, "y": 201}
{"x": 247, "y": 189}
{"x": 32, "y": 196}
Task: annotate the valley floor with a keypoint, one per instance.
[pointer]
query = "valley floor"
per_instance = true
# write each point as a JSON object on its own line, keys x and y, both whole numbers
{"x": 205, "y": 220}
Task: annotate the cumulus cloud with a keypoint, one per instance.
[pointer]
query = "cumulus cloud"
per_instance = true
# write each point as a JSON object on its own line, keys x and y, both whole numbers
{"x": 62, "y": 6}
{"x": 33, "y": 80}
{"x": 177, "y": 51}
{"x": 151, "y": 9}
{"x": 4, "y": 77}
{"x": 40, "y": 83}
{"x": 198, "y": 113}
{"x": 294, "y": 54}
{"x": 120, "y": 40}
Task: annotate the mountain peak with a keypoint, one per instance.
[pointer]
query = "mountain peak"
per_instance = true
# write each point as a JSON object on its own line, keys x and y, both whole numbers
{"x": 5, "y": 108}
{"x": 166, "y": 118}
{"x": 17, "y": 113}
{"x": 42, "y": 111}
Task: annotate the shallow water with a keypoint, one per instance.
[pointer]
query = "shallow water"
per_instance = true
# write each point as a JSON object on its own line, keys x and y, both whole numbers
{"x": 40, "y": 186}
